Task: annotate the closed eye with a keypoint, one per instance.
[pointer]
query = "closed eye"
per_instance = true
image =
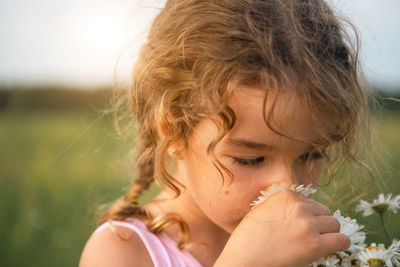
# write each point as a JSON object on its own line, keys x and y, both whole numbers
{"x": 247, "y": 161}
{"x": 313, "y": 155}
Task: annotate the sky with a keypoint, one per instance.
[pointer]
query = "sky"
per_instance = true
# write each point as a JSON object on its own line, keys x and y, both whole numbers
{"x": 94, "y": 42}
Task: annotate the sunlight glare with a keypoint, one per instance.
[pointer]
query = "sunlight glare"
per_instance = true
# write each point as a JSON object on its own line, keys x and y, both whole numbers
{"x": 96, "y": 39}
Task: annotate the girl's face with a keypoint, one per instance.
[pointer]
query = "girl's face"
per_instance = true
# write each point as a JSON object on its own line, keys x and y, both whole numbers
{"x": 256, "y": 156}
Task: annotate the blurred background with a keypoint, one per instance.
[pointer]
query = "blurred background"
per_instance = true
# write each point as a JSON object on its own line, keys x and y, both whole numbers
{"x": 60, "y": 157}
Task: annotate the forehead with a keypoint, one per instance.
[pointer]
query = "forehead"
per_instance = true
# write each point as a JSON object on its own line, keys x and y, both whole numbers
{"x": 285, "y": 113}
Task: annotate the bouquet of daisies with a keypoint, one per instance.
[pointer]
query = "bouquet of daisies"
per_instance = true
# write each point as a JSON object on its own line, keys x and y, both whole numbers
{"x": 359, "y": 253}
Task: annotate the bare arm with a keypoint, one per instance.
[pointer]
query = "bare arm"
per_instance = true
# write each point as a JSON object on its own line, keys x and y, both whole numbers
{"x": 106, "y": 248}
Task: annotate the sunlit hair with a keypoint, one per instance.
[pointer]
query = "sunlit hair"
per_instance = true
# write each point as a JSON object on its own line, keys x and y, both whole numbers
{"x": 199, "y": 51}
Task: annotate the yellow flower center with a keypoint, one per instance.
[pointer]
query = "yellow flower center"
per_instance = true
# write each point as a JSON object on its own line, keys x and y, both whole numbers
{"x": 380, "y": 208}
{"x": 376, "y": 263}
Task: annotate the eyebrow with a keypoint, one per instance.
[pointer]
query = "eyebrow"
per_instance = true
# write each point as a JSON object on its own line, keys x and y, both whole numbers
{"x": 240, "y": 142}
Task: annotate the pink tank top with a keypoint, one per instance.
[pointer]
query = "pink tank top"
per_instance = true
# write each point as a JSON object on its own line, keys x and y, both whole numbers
{"x": 163, "y": 250}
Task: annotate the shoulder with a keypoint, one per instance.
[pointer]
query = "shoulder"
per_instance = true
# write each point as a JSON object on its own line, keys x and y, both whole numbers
{"x": 120, "y": 248}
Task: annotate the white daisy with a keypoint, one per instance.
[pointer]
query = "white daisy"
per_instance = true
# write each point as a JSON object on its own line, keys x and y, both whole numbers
{"x": 351, "y": 228}
{"x": 305, "y": 191}
{"x": 345, "y": 258}
{"x": 330, "y": 261}
{"x": 379, "y": 205}
{"x": 375, "y": 255}
{"x": 274, "y": 188}
{"x": 394, "y": 250}
{"x": 338, "y": 259}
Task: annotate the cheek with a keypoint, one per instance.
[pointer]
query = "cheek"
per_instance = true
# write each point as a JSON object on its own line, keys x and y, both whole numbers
{"x": 229, "y": 207}
{"x": 237, "y": 193}
{"x": 222, "y": 192}
{"x": 224, "y": 200}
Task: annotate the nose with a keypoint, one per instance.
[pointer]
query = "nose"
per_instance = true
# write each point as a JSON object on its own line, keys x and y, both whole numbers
{"x": 281, "y": 171}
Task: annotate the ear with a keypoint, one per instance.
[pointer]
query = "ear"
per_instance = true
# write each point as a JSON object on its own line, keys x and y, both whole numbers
{"x": 176, "y": 150}
{"x": 165, "y": 129}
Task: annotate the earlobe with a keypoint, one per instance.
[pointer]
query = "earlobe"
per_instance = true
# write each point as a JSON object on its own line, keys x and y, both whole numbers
{"x": 165, "y": 130}
{"x": 172, "y": 151}
{"x": 175, "y": 151}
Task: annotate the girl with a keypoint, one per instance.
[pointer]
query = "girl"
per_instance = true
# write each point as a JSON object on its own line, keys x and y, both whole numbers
{"x": 231, "y": 97}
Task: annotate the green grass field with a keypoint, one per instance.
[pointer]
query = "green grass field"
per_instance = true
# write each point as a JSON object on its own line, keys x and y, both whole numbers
{"x": 57, "y": 168}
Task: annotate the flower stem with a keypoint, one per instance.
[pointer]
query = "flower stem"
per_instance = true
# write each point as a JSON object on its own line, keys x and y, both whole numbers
{"x": 384, "y": 227}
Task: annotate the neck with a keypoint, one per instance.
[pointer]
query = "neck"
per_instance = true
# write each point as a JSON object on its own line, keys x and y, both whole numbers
{"x": 206, "y": 239}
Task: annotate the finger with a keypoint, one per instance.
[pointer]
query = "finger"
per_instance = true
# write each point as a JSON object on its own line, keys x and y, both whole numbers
{"x": 316, "y": 208}
{"x": 332, "y": 242}
{"x": 327, "y": 224}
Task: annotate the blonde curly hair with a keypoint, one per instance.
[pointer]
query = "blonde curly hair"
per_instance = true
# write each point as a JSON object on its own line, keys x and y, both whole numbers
{"x": 198, "y": 51}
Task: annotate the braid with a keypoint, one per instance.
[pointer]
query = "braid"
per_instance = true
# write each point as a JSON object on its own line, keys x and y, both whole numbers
{"x": 127, "y": 206}
{"x": 144, "y": 167}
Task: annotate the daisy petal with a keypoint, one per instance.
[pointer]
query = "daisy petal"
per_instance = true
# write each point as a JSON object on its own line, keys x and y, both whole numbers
{"x": 274, "y": 188}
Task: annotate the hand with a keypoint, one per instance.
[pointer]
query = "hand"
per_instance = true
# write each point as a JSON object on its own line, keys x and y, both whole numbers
{"x": 285, "y": 230}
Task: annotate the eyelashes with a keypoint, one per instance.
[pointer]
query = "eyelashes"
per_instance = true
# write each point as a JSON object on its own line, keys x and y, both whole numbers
{"x": 314, "y": 155}
{"x": 247, "y": 161}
